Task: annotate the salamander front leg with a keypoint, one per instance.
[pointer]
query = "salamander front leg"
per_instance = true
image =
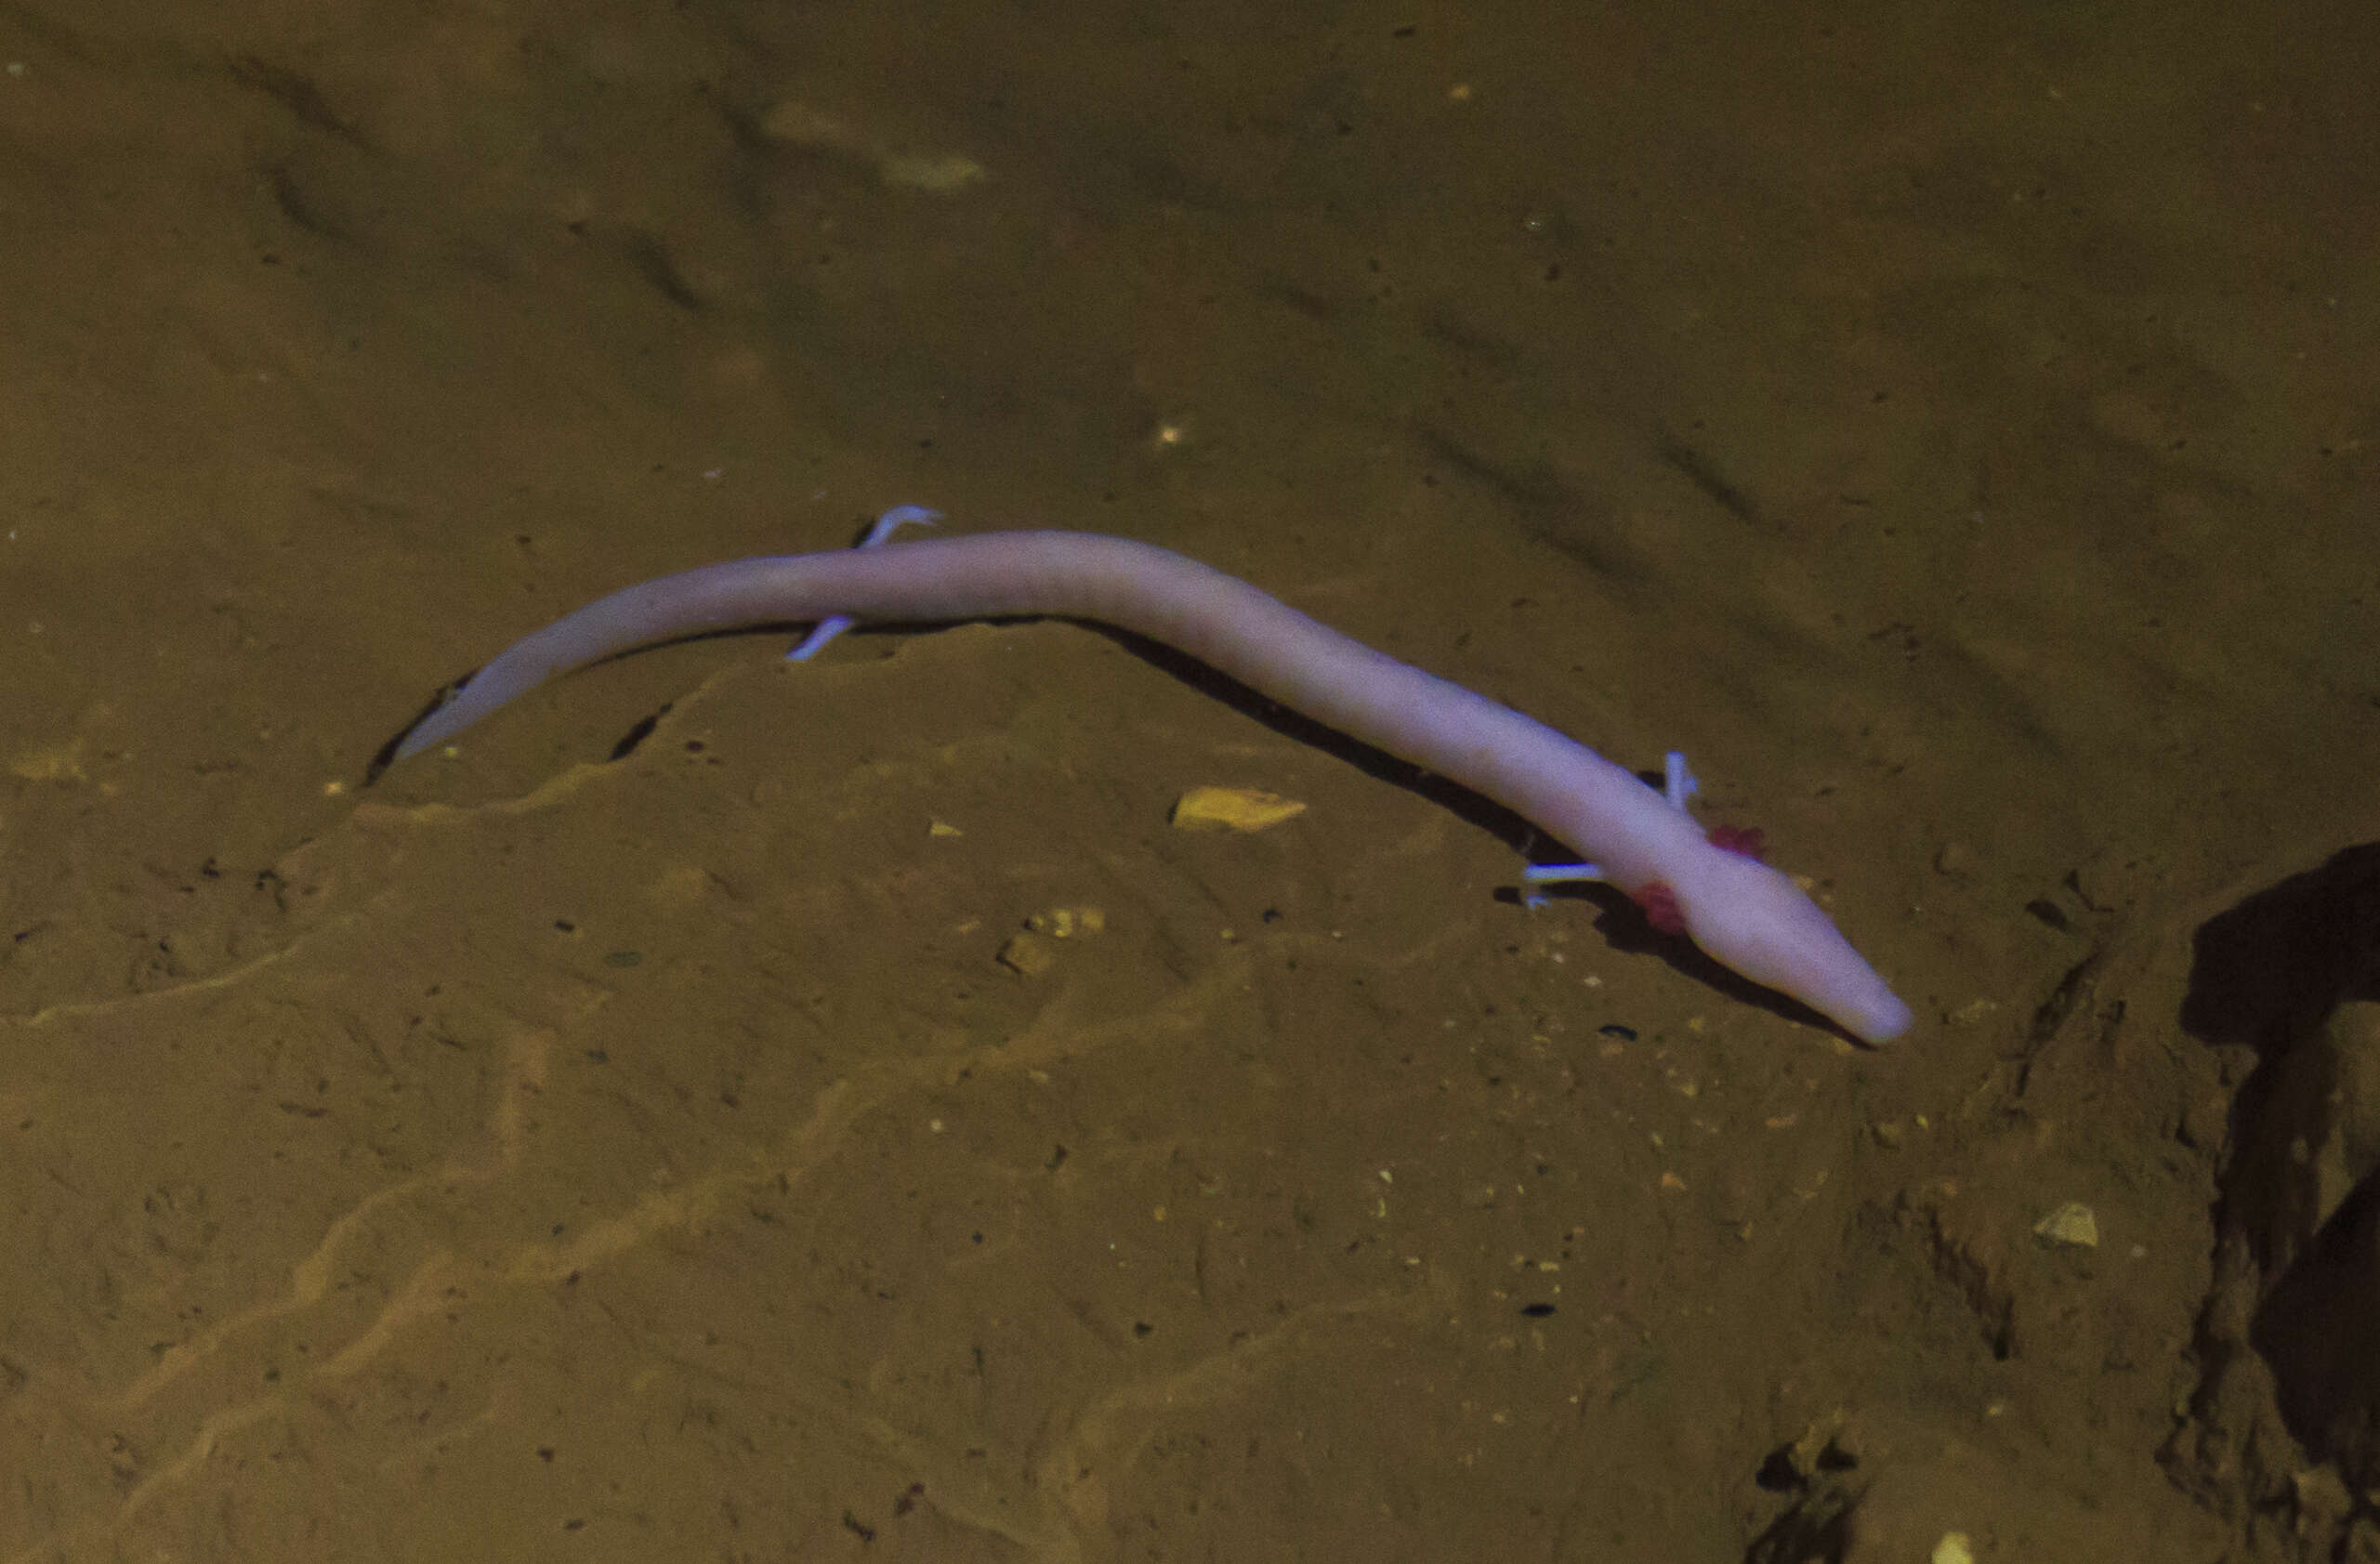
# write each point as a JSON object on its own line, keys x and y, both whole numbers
{"x": 1678, "y": 785}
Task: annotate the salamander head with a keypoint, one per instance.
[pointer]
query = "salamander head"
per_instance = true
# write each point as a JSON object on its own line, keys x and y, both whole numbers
{"x": 1759, "y": 923}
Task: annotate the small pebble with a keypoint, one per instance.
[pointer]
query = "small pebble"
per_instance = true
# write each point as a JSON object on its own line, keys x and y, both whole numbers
{"x": 1029, "y": 955}
{"x": 2073, "y": 1224}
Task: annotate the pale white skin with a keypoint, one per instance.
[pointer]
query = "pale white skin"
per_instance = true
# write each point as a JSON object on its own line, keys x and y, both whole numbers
{"x": 1746, "y": 915}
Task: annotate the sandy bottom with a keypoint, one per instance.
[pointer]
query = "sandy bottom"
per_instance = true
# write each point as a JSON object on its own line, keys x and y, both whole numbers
{"x": 741, "y": 1110}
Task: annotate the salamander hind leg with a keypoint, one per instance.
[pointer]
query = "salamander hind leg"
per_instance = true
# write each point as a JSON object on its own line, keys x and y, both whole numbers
{"x": 832, "y": 626}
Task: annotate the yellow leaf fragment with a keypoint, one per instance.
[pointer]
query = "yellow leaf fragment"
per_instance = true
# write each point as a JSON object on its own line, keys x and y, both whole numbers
{"x": 1232, "y": 809}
